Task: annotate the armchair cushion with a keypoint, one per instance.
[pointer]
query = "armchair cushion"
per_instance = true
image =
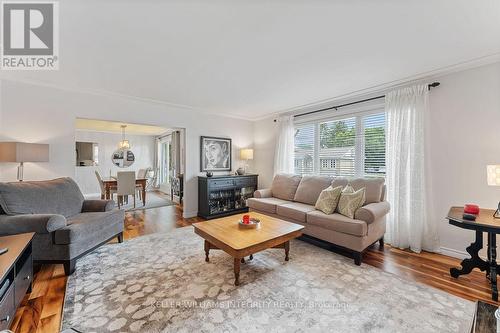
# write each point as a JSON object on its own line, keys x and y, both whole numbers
{"x": 264, "y": 193}
{"x": 83, "y": 226}
{"x": 372, "y": 212}
{"x": 57, "y": 196}
{"x": 97, "y": 206}
{"x": 39, "y": 223}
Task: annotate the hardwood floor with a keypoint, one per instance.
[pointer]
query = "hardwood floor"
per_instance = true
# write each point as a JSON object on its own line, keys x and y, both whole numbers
{"x": 41, "y": 310}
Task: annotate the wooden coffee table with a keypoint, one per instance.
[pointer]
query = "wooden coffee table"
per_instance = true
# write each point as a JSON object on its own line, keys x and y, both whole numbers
{"x": 225, "y": 234}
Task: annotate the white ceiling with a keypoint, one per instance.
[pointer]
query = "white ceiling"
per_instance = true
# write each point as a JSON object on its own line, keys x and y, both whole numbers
{"x": 116, "y": 127}
{"x": 253, "y": 58}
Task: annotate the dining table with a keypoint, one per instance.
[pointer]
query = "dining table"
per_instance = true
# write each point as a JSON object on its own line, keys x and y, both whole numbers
{"x": 110, "y": 182}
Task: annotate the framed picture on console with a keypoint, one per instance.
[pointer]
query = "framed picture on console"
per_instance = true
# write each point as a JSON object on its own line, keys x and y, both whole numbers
{"x": 215, "y": 154}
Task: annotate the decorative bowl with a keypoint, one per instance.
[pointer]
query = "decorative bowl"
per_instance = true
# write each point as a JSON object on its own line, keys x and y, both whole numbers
{"x": 254, "y": 223}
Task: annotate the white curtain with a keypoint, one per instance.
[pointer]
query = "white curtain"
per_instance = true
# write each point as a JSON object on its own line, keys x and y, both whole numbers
{"x": 409, "y": 222}
{"x": 283, "y": 156}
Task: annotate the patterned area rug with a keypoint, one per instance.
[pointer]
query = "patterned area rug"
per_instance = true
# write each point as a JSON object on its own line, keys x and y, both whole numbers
{"x": 161, "y": 283}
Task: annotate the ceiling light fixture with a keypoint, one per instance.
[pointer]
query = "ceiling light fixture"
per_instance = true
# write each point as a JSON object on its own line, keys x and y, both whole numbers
{"x": 124, "y": 144}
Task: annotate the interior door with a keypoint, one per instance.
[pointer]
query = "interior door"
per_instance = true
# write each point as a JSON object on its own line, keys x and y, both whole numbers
{"x": 164, "y": 163}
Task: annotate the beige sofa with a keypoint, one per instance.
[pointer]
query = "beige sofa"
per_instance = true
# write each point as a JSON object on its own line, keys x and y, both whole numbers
{"x": 292, "y": 198}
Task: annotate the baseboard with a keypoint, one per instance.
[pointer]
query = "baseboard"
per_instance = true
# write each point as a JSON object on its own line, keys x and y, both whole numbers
{"x": 188, "y": 215}
{"x": 453, "y": 253}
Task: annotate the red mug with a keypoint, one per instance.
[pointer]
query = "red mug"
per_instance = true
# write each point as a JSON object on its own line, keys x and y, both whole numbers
{"x": 246, "y": 219}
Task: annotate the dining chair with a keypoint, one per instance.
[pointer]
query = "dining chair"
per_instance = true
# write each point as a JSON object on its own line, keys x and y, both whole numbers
{"x": 141, "y": 174}
{"x": 126, "y": 186}
{"x": 112, "y": 189}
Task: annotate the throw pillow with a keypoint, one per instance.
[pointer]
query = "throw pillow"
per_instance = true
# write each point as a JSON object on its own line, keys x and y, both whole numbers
{"x": 328, "y": 199}
{"x": 350, "y": 201}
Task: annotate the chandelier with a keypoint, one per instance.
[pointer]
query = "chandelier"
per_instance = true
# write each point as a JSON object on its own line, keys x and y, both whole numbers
{"x": 124, "y": 144}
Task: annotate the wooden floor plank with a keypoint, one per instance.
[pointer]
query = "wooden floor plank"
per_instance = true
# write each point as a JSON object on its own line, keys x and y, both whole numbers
{"x": 41, "y": 311}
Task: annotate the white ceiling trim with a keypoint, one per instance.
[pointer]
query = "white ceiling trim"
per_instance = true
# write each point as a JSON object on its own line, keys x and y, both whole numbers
{"x": 477, "y": 62}
{"x": 383, "y": 88}
{"x": 106, "y": 93}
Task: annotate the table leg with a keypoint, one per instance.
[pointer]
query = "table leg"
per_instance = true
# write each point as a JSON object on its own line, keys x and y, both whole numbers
{"x": 474, "y": 261}
{"x": 492, "y": 250}
{"x": 287, "y": 250}
{"x": 236, "y": 271}
{"x": 107, "y": 191}
{"x": 251, "y": 257}
{"x": 144, "y": 194}
{"x": 207, "y": 250}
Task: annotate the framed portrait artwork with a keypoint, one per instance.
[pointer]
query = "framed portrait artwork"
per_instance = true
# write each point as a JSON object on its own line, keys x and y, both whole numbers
{"x": 215, "y": 154}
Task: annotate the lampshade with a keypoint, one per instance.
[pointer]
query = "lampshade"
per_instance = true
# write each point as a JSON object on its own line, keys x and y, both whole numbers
{"x": 23, "y": 152}
{"x": 246, "y": 154}
{"x": 493, "y": 172}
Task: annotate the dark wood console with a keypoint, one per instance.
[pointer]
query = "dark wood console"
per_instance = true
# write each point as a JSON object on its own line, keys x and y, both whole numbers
{"x": 224, "y": 195}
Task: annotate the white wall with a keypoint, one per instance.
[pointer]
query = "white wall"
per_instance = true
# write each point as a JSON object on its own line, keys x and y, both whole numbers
{"x": 463, "y": 132}
{"x": 265, "y": 132}
{"x": 464, "y": 136}
{"x": 34, "y": 113}
{"x": 143, "y": 147}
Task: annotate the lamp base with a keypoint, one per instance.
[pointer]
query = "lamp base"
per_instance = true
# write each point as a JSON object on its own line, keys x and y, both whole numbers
{"x": 496, "y": 214}
{"x": 20, "y": 172}
{"x": 3, "y": 250}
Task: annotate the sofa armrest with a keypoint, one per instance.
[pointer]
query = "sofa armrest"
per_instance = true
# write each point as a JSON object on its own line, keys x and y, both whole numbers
{"x": 39, "y": 223}
{"x": 97, "y": 206}
{"x": 372, "y": 212}
{"x": 264, "y": 193}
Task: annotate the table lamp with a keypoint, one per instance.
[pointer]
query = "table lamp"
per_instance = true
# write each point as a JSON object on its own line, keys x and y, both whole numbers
{"x": 493, "y": 172}
{"x": 21, "y": 152}
{"x": 246, "y": 154}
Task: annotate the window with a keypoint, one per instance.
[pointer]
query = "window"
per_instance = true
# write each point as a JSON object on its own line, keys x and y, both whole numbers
{"x": 304, "y": 149}
{"x": 350, "y": 146}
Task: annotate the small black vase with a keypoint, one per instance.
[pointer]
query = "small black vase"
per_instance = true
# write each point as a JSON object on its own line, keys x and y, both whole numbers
{"x": 210, "y": 174}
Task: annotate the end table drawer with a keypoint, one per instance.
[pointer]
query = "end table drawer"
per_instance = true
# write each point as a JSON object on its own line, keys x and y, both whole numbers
{"x": 7, "y": 308}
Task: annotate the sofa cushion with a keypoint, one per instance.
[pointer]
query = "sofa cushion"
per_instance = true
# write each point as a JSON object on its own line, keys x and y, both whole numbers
{"x": 328, "y": 199}
{"x": 340, "y": 182}
{"x": 85, "y": 225}
{"x": 58, "y": 196}
{"x": 267, "y": 205}
{"x": 284, "y": 186}
{"x": 310, "y": 187}
{"x": 374, "y": 188}
{"x": 350, "y": 201}
{"x": 294, "y": 210}
{"x": 337, "y": 223}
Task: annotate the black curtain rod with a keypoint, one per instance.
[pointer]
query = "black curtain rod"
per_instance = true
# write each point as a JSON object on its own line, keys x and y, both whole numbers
{"x": 429, "y": 86}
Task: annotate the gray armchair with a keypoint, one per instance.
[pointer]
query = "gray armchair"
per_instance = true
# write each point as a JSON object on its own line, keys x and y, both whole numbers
{"x": 66, "y": 225}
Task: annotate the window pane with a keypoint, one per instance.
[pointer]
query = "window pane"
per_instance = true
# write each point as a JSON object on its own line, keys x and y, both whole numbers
{"x": 337, "y": 147}
{"x": 304, "y": 149}
{"x": 374, "y": 143}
